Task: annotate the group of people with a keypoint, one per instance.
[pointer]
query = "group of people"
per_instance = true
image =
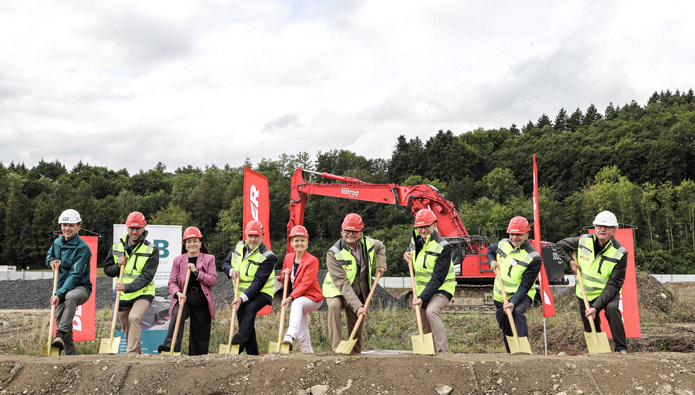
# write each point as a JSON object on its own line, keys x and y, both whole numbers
{"x": 351, "y": 263}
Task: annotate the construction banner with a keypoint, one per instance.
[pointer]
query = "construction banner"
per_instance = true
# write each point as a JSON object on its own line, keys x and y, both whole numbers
{"x": 83, "y": 323}
{"x": 628, "y": 295}
{"x": 257, "y": 201}
{"x": 546, "y": 296}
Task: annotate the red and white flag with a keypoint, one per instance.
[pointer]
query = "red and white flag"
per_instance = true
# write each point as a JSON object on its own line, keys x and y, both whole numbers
{"x": 546, "y": 296}
{"x": 257, "y": 201}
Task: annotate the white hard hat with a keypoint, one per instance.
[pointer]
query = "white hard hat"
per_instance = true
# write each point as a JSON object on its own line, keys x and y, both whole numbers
{"x": 69, "y": 216}
{"x": 606, "y": 218}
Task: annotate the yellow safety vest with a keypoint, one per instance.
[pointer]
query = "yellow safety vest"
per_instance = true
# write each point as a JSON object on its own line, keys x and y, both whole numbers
{"x": 424, "y": 262}
{"x": 248, "y": 266}
{"x": 597, "y": 269}
{"x": 342, "y": 253}
{"x": 513, "y": 262}
{"x": 135, "y": 262}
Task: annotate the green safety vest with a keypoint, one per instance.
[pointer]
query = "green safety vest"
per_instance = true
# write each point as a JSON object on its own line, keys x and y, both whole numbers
{"x": 135, "y": 262}
{"x": 248, "y": 266}
{"x": 597, "y": 269}
{"x": 513, "y": 262}
{"x": 424, "y": 261}
{"x": 342, "y": 253}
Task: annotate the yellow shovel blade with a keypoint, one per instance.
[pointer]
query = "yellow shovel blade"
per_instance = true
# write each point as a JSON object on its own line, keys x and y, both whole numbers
{"x": 423, "y": 344}
{"x": 229, "y": 349}
{"x": 597, "y": 344}
{"x": 49, "y": 351}
{"x": 110, "y": 345}
{"x": 285, "y": 348}
{"x": 274, "y": 346}
{"x": 345, "y": 346}
{"x": 519, "y": 345}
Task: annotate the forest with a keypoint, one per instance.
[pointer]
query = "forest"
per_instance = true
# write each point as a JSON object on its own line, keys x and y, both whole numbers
{"x": 637, "y": 161}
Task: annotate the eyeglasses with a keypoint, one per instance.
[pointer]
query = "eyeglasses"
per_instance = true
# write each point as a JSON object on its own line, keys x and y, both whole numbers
{"x": 352, "y": 232}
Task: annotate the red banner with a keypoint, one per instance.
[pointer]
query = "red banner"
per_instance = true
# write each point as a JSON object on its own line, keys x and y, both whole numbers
{"x": 83, "y": 323}
{"x": 546, "y": 296}
{"x": 628, "y": 295}
{"x": 257, "y": 201}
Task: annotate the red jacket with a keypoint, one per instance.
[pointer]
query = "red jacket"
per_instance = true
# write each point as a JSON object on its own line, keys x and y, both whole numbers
{"x": 207, "y": 277}
{"x": 306, "y": 281}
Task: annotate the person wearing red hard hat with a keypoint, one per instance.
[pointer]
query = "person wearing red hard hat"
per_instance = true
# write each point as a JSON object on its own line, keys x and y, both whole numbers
{"x": 140, "y": 260}
{"x": 351, "y": 262}
{"x": 602, "y": 262}
{"x": 430, "y": 255}
{"x": 198, "y": 302}
{"x": 518, "y": 264}
{"x": 252, "y": 262}
{"x": 305, "y": 295}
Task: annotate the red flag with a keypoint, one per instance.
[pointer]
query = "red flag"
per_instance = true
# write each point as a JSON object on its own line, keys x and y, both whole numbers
{"x": 257, "y": 201}
{"x": 628, "y": 294}
{"x": 546, "y": 296}
{"x": 83, "y": 322}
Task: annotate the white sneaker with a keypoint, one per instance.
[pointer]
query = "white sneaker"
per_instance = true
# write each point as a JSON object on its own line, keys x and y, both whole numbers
{"x": 288, "y": 339}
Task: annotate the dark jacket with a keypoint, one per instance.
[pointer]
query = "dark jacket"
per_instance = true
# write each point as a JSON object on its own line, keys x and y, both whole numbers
{"x": 74, "y": 256}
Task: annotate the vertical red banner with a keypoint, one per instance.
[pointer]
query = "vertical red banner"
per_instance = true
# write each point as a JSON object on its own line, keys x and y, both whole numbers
{"x": 83, "y": 323}
{"x": 628, "y": 295}
{"x": 257, "y": 201}
{"x": 546, "y": 296}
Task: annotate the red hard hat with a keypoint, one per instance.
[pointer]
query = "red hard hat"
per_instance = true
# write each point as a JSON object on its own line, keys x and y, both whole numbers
{"x": 135, "y": 220}
{"x": 192, "y": 232}
{"x": 518, "y": 225}
{"x": 299, "y": 230}
{"x": 425, "y": 217}
{"x": 353, "y": 221}
{"x": 254, "y": 228}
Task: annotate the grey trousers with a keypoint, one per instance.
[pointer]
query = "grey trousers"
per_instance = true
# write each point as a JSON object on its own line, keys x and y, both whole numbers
{"x": 432, "y": 322}
{"x": 65, "y": 313}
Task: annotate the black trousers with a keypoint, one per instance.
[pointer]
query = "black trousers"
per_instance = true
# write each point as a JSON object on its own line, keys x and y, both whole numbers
{"x": 196, "y": 307}
{"x": 246, "y": 316}
{"x": 615, "y": 321}
{"x": 519, "y": 315}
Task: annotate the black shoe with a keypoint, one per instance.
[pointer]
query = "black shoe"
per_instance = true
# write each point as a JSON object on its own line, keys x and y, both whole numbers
{"x": 58, "y": 341}
{"x": 236, "y": 339}
{"x": 162, "y": 348}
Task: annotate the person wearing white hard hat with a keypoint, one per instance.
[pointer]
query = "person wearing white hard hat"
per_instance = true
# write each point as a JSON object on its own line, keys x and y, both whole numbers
{"x": 602, "y": 262}
{"x": 252, "y": 263}
{"x": 70, "y": 255}
{"x": 139, "y": 259}
{"x": 430, "y": 255}
{"x": 305, "y": 295}
{"x": 197, "y": 299}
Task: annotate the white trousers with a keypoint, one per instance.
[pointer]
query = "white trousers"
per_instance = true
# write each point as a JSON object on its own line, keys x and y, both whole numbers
{"x": 299, "y": 322}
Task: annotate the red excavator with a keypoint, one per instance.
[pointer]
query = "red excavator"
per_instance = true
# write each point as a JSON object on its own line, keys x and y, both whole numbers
{"x": 469, "y": 252}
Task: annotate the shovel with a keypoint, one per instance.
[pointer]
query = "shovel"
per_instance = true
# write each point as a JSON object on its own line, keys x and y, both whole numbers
{"x": 178, "y": 316}
{"x": 423, "y": 343}
{"x": 279, "y": 346}
{"x": 231, "y": 348}
{"x": 517, "y": 345}
{"x": 596, "y": 342}
{"x": 110, "y": 345}
{"x": 46, "y": 349}
{"x": 345, "y": 346}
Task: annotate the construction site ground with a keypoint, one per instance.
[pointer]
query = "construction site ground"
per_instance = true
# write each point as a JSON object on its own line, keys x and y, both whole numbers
{"x": 661, "y": 362}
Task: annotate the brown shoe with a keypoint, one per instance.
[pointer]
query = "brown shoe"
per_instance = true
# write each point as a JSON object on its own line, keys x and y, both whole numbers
{"x": 58, "y": 341}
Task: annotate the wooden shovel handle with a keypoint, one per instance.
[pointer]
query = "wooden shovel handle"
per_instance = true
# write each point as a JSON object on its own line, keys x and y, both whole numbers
{"x": 118, "y": 302}
{"x": 504, "y": 298}
{"x": 231, "y": 326}
{"x": 366, "y": 306}
{"x": 581, "y": 286}
{"x": 180, "y": 313}
{"x": 53, "y": 308}
{"x": 417, "y": 310}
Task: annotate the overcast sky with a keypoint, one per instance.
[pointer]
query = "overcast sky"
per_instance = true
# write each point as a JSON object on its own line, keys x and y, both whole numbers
{"x": 132, "y": 83}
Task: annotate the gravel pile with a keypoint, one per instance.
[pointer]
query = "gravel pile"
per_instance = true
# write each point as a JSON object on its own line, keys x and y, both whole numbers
{"x": 34, "y": 294}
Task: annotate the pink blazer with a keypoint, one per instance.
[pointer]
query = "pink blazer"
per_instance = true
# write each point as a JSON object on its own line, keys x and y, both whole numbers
{"x": 207, "y": 276}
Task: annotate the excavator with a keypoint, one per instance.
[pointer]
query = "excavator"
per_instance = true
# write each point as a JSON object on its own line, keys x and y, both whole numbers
{"x": 469, "y": 252}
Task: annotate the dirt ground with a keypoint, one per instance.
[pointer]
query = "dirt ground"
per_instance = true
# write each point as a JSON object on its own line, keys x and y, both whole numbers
{"x": 666, "y": 326}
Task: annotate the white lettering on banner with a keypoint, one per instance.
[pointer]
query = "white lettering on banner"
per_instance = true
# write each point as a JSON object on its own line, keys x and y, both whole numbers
{"x": 254, "y": 193}
{"x": 349, "y": 192}
{"x": 77, "y": 320}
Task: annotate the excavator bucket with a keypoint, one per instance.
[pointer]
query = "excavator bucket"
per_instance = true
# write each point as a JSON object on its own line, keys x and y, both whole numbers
{"x": 423, "y": 344}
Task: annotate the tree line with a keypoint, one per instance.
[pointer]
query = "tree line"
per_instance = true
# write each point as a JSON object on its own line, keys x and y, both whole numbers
{"x": 635, "y": 160}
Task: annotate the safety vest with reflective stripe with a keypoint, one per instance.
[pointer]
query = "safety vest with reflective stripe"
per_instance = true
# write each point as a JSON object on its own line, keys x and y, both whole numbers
{"x": 513, "y": 262}
{"x": 424, "y": 264}
{"x": 342, "y": 253}
{"x": 248, "y": 266}
{"x": 597, "y": 269}
{"x": 135, "y": 262}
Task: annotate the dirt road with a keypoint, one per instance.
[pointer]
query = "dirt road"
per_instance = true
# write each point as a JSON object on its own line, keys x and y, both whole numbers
{"x": 647, "y": 373}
